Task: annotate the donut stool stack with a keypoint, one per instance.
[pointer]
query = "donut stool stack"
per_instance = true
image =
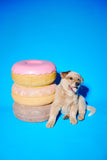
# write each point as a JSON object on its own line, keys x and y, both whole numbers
{"x": 33, "y": 90}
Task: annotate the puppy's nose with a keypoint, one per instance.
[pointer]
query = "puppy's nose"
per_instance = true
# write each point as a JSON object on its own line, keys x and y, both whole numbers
{"x": 77, "y": 83}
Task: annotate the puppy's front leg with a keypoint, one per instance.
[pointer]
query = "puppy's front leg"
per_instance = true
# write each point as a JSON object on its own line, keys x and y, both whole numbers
{"x": 55, "y": 108}
{"x": 82, "y": 108}
{"x": 73, "y": 113}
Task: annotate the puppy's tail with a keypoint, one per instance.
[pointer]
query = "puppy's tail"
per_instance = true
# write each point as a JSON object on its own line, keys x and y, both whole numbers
{"x": 92, "y": 109}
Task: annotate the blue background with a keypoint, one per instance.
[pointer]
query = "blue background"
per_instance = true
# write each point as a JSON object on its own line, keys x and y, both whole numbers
{"x": 73, "y": 35}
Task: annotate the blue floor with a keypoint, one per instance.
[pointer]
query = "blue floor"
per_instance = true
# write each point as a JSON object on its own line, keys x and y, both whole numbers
{"x": 73, "y": 35}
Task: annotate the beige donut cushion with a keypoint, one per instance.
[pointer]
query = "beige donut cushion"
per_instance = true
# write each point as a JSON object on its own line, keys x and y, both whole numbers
{"x": 31, "y": 113}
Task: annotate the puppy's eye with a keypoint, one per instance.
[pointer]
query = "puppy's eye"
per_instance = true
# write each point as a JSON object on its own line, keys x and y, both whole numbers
{"x": 79, "y": 79}
{"x": 71, "y": 78}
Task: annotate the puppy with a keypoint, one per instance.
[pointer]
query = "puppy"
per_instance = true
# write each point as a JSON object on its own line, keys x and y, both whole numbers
{"x": 67, "y": 100}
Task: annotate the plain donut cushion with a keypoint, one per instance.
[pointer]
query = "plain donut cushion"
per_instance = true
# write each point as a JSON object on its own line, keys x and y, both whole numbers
{"x": 31, "y": 113}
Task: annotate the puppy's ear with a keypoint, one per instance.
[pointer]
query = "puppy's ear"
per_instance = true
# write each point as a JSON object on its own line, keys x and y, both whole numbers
{"x": 63, "y": 74}
{"x": 82, "y": 80}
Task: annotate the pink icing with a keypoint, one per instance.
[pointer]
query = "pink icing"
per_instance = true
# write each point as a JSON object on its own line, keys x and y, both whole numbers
{"x": 35, "y": 91}
{"x": 36, "y": 67}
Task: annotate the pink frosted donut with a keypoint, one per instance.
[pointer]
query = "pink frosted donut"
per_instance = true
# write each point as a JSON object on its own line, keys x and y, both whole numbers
{"x": 33, "y": 72}
{"x": 36, "y": 67}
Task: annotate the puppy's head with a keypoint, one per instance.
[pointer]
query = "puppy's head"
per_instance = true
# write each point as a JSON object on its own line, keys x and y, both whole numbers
{"x": 71, "y": 81}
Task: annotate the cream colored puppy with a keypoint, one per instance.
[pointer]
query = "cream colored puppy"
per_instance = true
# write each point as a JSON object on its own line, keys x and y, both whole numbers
{"x": 67, "y": 100}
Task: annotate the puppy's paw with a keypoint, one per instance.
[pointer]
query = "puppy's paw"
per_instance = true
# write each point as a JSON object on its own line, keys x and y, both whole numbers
{"x": 50, "y": 124}
{"x": 73, "y": 121}
{"x": 81, "y": 117}
{"x": 66, "y": 117}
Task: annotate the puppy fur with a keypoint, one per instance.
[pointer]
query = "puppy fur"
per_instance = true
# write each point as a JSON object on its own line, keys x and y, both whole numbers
{"x": 67, "y": 100}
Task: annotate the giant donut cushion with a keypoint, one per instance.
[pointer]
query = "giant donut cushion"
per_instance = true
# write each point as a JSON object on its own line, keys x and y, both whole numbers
{"x": 33, "y": 95}
{"x": 31, "y": 113}
{"x": 33, "y": 72}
